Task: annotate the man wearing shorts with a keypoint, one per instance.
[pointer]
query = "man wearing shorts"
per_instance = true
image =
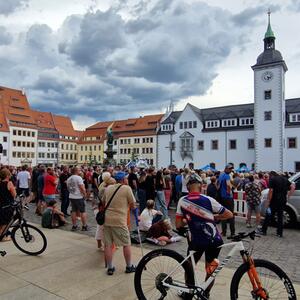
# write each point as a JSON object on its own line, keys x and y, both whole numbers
{"x": 77, "y": 194}
{"x": 200, "y": 213}
{"x": 115, "y": 229}
{"x": 23, "y": 184}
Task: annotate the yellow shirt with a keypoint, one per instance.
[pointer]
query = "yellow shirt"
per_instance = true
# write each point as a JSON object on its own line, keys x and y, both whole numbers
{"x": 116, "y": 214}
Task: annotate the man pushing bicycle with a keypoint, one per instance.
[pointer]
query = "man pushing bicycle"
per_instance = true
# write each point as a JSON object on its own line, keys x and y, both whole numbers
{"x": 201, "y": 213}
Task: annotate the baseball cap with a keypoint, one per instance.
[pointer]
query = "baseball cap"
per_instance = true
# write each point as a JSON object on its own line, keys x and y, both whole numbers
{"x": 120, "y": 175}
{"x": 229, "y": 166}
{"x": 194, "y": 178}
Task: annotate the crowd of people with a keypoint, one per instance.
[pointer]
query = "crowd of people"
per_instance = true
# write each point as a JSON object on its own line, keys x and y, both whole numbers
{"x": 154, "y": 191}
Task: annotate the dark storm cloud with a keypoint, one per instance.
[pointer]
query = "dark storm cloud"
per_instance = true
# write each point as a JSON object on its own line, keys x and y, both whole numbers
{"x": 9, "y": 6}
{"x": 5, "y": 36}
{"x": 249, "y": 15}
{"x": 102, "y": 66}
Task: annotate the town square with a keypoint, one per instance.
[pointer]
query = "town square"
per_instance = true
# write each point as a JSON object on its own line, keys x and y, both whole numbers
{"x": 149, "y": 149}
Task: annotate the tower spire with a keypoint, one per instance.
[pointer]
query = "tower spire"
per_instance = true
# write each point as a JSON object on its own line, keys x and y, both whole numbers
{"x": 269, "y": 33}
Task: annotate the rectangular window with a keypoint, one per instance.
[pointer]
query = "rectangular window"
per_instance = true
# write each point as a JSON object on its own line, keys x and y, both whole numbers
{"x": 151, "y": 140}
{"x": 214, "y": 144}
{"x": 232, "y": 144}
{"x": 268, "y": 95}
{"x": 4, "y": 152}
{"x": 4, "y": 139}
{"x": 121, "y": 151}
{"x": 268, "y": 115}
{"x": 14, "y": 132}
{"x": 251, "y": 144}
{"x": 268, "y": 143}
{"x": 14, "y": 154}
{"x": 185, "y": 125}
{"x": 180, "y": 125}
{"x": 194, "y": 124}
{"x": 292, "y": 143}
{"x": 190, "y": 124}
{"x": 200, "y": 145}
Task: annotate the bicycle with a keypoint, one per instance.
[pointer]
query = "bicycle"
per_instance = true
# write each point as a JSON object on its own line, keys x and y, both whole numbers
{"x": 26, "y": 237}
{"x": 169, "y": 274}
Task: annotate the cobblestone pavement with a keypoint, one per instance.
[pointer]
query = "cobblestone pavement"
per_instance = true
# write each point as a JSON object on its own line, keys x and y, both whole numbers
{"x": 285, "y": 251}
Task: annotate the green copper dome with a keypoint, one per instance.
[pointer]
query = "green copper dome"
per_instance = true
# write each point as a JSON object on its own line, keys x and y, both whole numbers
{"x": 269, "y": 33}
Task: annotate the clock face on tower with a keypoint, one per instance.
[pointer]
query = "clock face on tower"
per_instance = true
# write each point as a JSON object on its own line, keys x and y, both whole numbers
{"x": 267, "y": 76}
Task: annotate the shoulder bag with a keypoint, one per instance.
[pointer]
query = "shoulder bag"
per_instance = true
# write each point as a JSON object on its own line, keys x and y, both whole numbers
{"x": 100, "y": 217}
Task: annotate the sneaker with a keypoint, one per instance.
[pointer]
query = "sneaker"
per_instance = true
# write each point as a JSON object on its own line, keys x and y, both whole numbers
{"x": 26, "y": 206}
{"x": 130, "y": 269}
{"x": 85, "y": 228}
{"x": 110, "y": 271}
{"x": 74, "y": 228}
{"x": 162, "y": 243}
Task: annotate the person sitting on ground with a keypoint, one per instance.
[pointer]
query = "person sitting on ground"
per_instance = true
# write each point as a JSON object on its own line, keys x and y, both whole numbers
{"x": 159, "y": 233}
{"x": 7, "y": 195}
{"x": 52, "y": 217}
{"x": 148, "y": 216}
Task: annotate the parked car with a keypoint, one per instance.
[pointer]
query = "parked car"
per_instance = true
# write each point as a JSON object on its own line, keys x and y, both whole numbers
{"x": 291, "y": 214}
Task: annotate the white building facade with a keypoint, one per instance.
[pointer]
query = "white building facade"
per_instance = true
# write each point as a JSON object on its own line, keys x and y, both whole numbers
{"x": 262, "y": 136}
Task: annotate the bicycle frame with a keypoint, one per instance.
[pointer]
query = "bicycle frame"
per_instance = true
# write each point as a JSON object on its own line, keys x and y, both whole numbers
{"x": 17, "y": 218}
{"x": 203, "y": 285}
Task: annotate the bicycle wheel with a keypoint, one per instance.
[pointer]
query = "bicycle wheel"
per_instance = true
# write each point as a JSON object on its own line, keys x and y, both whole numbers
{"x": 156, "y": 266}
{"x": 29, "y": 239}
{"x": 275, "y": 282}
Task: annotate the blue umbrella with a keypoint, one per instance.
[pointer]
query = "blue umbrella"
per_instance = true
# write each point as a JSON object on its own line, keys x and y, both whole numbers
{"x": 208, "y": 168}
{"x": 243, "y": 169}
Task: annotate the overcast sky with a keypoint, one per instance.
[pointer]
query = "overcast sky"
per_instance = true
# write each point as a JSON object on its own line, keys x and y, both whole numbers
{"x": 109, "y": 59}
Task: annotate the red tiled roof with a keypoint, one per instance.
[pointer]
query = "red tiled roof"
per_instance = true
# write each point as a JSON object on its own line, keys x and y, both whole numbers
{"x": 3, "y": 122}
{"x": 100, "y": 125}
{"x": 16, "y": 107}
{"x": 64, "y": 125}
{"x": 43, "y": 120}
{"x": 146, "y": 125}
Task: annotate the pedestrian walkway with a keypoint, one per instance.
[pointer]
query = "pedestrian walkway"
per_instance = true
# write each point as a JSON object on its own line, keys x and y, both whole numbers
{"x": 73, "y": 268}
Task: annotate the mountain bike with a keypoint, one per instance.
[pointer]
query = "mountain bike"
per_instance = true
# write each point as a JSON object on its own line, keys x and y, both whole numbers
{"x": 165, "y": 274}
{"x": 26, "y": 237}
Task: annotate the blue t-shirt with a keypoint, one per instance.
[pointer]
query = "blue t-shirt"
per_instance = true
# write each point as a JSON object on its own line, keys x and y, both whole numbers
{"x": 199, "y": 212}
{"x": 224, "y": 177}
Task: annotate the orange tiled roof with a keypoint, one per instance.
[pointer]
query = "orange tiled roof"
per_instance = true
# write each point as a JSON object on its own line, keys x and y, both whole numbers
{"x": 100, "y": 125}
{"x": 3, "y": 122}
{"x": 95, "y": 131}
{"x": 64, "y": 125}
{"x": 16, "y": 107}
{"x": 43, "y": 120}
{"x": 137, "y": 126}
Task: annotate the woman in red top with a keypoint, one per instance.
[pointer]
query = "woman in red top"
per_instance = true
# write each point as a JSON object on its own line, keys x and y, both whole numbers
{"x": 50, "y": 184}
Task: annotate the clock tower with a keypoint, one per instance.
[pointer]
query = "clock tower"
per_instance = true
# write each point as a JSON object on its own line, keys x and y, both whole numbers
{"x": 269, "y": 106}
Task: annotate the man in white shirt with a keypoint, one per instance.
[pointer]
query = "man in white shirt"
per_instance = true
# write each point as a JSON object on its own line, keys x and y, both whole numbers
{"x": 77, "y": 194}
{"x": 23, "y": 183}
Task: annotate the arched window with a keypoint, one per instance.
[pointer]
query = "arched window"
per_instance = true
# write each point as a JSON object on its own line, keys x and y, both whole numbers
{"x": 212, "y": 165}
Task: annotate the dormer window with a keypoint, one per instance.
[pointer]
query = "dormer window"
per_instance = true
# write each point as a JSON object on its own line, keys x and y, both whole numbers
{"x": 212, "y": 124}
{"x": 246, "y": 121}
{"x": 295, "y": 117}
{"x": 229, "y": 122}
{"x": 166, "y": 127}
